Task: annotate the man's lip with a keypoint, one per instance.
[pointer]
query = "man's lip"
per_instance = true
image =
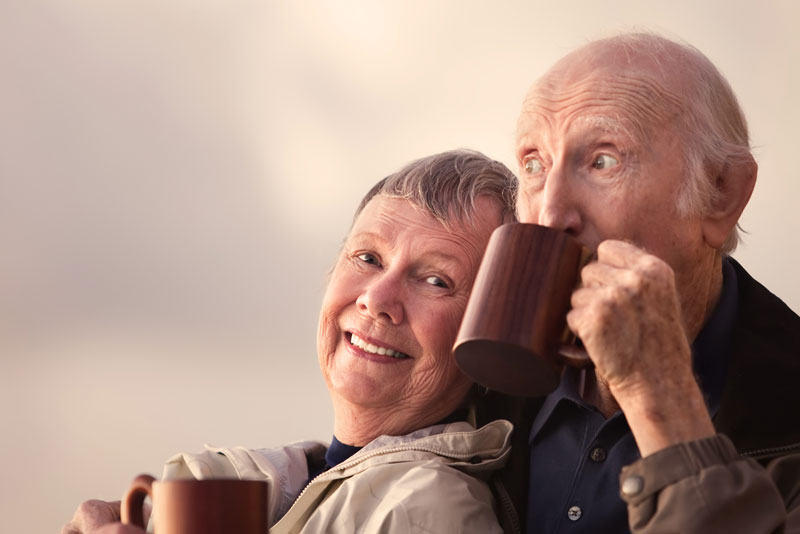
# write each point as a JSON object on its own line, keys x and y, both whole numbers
{"x": 372, "y": 341}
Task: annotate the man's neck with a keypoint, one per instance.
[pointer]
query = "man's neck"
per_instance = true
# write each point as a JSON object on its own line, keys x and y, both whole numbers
{"x": 595, "y": 392}
{"x": 700, "y": 297}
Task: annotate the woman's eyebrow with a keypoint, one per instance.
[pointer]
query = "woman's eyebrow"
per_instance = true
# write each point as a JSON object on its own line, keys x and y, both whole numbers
{"x": 368, "y": 237}
{"x": 454, "y": 265}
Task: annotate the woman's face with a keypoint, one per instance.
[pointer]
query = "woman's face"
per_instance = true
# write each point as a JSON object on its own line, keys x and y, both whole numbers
{"x": 392, "y": 310}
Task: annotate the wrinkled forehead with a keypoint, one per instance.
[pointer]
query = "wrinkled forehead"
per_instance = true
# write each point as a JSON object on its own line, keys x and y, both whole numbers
{"x": 611, "y": 101}
{"x": 610, "y": 89}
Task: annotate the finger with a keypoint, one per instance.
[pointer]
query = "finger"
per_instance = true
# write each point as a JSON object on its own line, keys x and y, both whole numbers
{"x": 92, "y": 514}
{"x": 619, "y": 253}
{"x": 576, "y": 317}
{"x": 117, "y": 528}
{"x": 599, "y": 274}
{"x": 101, "y": 513}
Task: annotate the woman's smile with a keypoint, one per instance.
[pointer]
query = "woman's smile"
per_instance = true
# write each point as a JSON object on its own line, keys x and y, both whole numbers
{"x": 373, "y": 347}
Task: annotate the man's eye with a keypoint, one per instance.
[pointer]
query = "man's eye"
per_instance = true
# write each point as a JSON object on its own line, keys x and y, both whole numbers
{"x": 369, "y": 258}
{"x": 436, "y": 281}
{"x": 604, "y": 161}
{"x": 533, "y": 165}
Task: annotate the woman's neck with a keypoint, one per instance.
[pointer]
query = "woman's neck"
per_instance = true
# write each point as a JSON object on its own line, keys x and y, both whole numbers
{"x": 358, "y": 425}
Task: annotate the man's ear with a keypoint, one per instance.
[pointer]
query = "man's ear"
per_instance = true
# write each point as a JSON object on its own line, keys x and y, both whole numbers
{"x": 734, "y": 185}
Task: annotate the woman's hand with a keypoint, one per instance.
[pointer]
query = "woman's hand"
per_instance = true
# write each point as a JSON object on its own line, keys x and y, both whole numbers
{"x": 99, "y": 517}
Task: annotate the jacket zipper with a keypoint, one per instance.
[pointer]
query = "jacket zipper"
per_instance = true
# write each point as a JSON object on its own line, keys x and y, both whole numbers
{"x": 762, "y": 454}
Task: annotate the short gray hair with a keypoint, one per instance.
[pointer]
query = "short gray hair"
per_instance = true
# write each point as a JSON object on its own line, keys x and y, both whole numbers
{"x": 447, "y": 184}
{"x": 713, "y": 126}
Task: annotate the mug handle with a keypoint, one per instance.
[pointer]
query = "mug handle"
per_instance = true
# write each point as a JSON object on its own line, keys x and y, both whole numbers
{"x": 132, "y": 510}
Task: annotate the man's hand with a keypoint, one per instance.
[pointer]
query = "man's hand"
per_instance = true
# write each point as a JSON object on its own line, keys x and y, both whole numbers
{"x": 627, "y": 314}
{"x": 98, "y": 517}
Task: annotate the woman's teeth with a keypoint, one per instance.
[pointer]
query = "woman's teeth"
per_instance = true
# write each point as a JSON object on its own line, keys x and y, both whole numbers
{"x": 369, "y": 347}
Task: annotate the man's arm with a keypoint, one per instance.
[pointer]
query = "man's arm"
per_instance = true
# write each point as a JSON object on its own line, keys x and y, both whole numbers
{"x": 690, "y": 479}
{"x": 628, "y": 316}
{"x": 706, "y": 487}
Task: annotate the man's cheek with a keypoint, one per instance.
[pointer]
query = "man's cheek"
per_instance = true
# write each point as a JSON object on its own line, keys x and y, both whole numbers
{"x": 527, "y": 211}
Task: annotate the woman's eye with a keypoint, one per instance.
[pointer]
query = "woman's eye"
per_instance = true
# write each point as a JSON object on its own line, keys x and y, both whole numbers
{"x": 604, "y": 161}
{"x": 436, "y": 281}
{"x": 533, "y": 165}
{"x": 369, "y": 258}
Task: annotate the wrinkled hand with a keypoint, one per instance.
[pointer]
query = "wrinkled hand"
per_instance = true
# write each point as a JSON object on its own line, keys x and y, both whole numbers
{"x": 98, "y": 517}
{"x": 627, "y": 314}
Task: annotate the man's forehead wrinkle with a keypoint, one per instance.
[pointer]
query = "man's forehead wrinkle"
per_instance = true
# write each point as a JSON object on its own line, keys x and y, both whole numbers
{"x": 642, "y": 100}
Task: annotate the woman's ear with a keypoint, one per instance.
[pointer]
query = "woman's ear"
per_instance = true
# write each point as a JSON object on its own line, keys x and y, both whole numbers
{"x": 734, "y": 185}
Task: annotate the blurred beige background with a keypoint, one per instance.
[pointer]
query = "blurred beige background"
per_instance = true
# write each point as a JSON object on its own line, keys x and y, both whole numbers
{"x": 176, "y": 177}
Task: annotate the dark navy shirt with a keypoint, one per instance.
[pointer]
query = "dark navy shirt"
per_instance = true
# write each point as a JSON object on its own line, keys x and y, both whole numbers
{"x": 337, "y": 453}
{"x": 577, "y": 454}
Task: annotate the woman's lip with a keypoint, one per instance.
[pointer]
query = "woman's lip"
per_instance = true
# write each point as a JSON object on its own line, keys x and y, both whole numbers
{"x": 373, "y": 347}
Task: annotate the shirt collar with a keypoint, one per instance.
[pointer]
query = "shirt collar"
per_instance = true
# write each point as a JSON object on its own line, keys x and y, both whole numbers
{"x": 567, "y": 390}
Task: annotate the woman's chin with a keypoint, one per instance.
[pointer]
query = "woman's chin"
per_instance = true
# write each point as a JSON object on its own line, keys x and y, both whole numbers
{"x": 363, "y": 389}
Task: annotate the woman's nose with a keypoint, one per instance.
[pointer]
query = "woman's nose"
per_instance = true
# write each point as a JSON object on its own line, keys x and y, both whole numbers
{"x": 381, "y": 299}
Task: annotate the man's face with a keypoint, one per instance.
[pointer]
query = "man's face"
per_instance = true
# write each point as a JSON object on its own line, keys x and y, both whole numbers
{"x": 600, "y": 157}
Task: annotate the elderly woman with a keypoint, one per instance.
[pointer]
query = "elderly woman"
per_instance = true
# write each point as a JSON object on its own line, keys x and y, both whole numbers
{"x": 403, "y": 457}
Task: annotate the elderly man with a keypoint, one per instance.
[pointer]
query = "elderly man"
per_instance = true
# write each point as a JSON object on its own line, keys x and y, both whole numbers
{"x": 689, "y": 420}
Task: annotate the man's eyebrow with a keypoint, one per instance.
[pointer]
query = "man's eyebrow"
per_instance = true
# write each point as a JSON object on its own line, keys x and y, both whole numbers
{"x": 605, "y": 123}
{"x": 524, "y": 141}
{"x": 623, "y": 133}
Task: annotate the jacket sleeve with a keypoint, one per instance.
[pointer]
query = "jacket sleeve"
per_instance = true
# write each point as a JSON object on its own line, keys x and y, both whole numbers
{"x": 706, "y": 487}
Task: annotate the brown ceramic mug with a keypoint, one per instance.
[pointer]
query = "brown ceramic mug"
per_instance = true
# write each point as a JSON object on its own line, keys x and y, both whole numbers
{"x": 514, "y": 336}
{"x": 215, "y": 506}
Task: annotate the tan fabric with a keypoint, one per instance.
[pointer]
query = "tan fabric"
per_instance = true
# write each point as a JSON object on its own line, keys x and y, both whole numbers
{"x": 284, "y": 469}
{"x": 430, "y": 481}
{"x": 706, "y": 487}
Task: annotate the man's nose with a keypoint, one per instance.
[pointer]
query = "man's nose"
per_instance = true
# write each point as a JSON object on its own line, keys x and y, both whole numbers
{"x": 381, "y": 299}
{"x": 559, "y": 206}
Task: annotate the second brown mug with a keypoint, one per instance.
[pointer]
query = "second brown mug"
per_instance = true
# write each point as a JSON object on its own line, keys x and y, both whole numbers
{"x": 514, "y": 335}
{"x": 215, "y": 506}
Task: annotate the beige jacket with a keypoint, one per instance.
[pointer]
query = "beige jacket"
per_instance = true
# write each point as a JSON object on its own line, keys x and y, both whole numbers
{"x": 430, "y": 481}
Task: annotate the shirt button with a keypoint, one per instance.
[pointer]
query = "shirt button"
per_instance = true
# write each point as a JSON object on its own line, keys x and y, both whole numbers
{"x": 574, "y": 513}
{"x": 598, "y": 454}
{"x": 632, "y": 485}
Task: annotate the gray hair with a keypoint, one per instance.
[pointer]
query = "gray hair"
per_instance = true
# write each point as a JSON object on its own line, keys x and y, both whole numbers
{"x": 446, "y": 185}
{"x": 712, "y": 124}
